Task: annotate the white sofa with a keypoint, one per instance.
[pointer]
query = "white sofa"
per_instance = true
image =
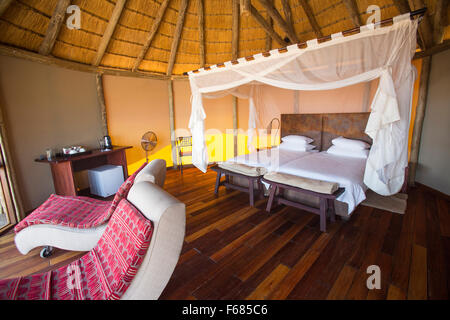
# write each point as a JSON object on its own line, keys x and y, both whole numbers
{"x": 74, "y": 239}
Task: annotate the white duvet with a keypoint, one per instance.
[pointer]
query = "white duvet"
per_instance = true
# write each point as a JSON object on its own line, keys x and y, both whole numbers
{"x": 348, "y": 172}
{"x": 271, "y": 159}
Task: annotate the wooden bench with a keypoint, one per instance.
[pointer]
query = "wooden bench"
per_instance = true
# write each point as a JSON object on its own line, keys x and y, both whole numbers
{"x": 326, "y": 201}
{"x": 251, "y": 181}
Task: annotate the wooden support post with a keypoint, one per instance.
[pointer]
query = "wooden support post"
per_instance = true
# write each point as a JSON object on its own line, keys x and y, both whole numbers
{"x": 151, "y": 34}
{"x": 4, "y": 4}
{"x": 117, "y": 12}
{"x": 172, "y": 125}
{"x": 420, "y": 115}
{"x": 201, "y": 36}
{"x": 235, "y": 125}
{"x": 101, "y": 103}
{"x": 54, "y": 27}
{"x": 235, "y": 55}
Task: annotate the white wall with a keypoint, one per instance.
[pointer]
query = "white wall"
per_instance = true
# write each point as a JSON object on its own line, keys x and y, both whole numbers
{"x": 434, "y": 155}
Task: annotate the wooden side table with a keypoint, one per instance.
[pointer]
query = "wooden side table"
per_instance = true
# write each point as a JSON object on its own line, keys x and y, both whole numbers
{"x": 63, "y": 168}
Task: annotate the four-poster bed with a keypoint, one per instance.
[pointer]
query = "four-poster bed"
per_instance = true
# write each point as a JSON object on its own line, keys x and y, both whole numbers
{"x": 332, "y": 62}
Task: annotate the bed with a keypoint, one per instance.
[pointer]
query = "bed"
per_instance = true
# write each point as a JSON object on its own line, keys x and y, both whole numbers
{"x": 348, "y": 172}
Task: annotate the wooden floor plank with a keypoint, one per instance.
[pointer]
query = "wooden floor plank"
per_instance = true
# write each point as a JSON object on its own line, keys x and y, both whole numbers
{"x": 418, "y": 276}
{"x": 269, "y": 284}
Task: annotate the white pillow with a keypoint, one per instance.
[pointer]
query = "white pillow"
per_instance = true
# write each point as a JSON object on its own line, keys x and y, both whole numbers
{"x": 353, "y": 153}
{"x": 297, "y": 139}
{"x": 350, "y": 143}
{"x": 296, "y": 146}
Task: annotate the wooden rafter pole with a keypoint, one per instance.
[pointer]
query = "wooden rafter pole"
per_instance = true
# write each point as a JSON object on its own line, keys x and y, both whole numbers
{"x": 71, "y": 65}
{"x": 425, "y": 29}
{"x": 268, "y": 37}
{"x": 402, "y": 6}
{"x": 312, "y": 20}
{"x": 439, "y": 20}
{"x": 177, "y": 35}
{"x": 101, "y": 103}
{"x": 117, "y": 12}
{"x": 235, "y": 55}
{"x": 263, "y": 23}
{"x": 436, "y": 49}
{"x": 418, "y": 121}
{"x": 201, "y": 30}
{"x": 352, "y": 10}
{"x": 275, "y": 15}
{"x": 288, "y": 15}
{"x": 54, "y": 27}
{"x": 4, "y": 4}
{"x": 151, "y": 35}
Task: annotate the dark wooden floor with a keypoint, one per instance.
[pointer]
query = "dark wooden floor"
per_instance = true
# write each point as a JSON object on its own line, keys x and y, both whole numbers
{"x": 233, "y": 251}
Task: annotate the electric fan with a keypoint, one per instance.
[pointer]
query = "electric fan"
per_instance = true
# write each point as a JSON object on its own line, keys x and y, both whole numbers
{"x": 148, "y": 142}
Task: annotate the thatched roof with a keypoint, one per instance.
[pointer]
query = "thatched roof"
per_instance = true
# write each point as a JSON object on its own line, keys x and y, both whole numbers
{"x": 25, "y": 24}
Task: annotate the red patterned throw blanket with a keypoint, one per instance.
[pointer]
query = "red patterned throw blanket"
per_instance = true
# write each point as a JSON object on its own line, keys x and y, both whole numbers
{"x": 105, "y": 273}
{"x": 77, "y": 212}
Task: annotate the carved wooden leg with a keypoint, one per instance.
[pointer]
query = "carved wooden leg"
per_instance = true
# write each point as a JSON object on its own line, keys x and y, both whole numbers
{"x": 323, "y": 214}
{"x": 251, "y": 185}
{"x": 272, "y": 190}
{"x": 219, "y": 175}
{"x": 332, "y": 210}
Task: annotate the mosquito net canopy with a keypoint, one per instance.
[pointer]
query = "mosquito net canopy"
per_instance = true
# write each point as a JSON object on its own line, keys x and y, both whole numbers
{"x": 382, "y": 53}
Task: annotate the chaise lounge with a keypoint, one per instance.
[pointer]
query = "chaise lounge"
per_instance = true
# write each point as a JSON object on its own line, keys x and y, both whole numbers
{"x": 77, "y": 223}
{"x": 134, "y": 258}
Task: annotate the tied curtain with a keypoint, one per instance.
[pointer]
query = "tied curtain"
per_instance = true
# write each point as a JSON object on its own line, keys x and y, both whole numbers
{"x": 374, "y": 53}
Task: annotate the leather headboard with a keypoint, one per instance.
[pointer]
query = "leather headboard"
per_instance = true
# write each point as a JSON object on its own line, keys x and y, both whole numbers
{"x": 309, "y": 125}
{"x": 325, "y": 127}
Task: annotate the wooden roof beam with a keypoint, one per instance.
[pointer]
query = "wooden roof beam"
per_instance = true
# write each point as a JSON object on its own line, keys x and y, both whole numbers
{"x": 151, "y": 34}
{"x": 235, "y": 30}
{"x": 288, "y": 15}
{"x": 439, "y": 20}
{"x": 54, "y": 27}
{"x": 117, "y": 12}
{"x": 312, "y": 20}
{"x": 402, "y": 6}
{"x": 352, "y": 9}
{"x": 4, "y": 4}
{"x": 201, "y": 36}
{"x": 269, "y": 30}
{"x": 275, "y": 15}
{"x": 177, "y": 35}
{"x": 425, "y": 29}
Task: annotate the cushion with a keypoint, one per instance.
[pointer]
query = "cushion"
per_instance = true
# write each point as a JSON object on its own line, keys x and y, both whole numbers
{"x": 122, "y": 193}
{"x": 104, "y": 273}
{"x": 297, "y": 139}
{"x": 154, "y": 172}
{"x": 303, "y": 183}
{"x": 350, "y": 143}
{"x": 243, "y": 169}
{"x": 352, "y": 153}
{"x": 293, "y": 146}
{"x": 68, "y": 211}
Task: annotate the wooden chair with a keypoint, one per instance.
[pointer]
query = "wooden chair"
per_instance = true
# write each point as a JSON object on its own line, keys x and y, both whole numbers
{"x": 182, "y": 144}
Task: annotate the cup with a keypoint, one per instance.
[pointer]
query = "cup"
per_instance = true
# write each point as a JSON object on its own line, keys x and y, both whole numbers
{"x": 49, "y": 153}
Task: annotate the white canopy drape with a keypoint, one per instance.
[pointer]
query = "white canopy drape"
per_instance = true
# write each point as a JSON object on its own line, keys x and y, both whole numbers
{"x": 383, "y": 53}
